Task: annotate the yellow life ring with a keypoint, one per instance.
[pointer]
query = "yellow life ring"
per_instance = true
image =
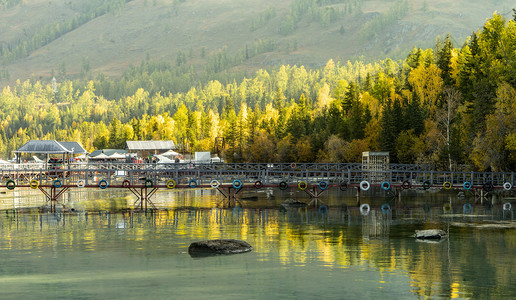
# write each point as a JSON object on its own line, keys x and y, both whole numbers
{"x": 447, "y": 208}
{"x": 171, "y": 184}
{"x": 302, "y": 185}
{"x": 34, "y": 184}
{"x": 447, "y": 185}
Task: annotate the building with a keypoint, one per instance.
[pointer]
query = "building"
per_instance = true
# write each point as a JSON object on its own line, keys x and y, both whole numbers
{"x": 146, "y": 149}
{"x": 377, "y": 163}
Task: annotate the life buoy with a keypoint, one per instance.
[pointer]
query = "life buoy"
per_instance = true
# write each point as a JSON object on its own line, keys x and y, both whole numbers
{"x": 386, "y": 208}
{"x": 293, "y": 165}
{"x": 34, "y": 184}
{"x": 507, "y": 186}
{"x": 214, "y": 184}
{"x": 237, "y": 184}
{"x": 507, "y": 206}
{"x": 258, "y": 184}
{"x": 467, "y": 209}
{"x": 192, "y": 183}
{"x": 488, "y": 186}
{"x": 171, "y": 184}
{"x": 365, "y": 209}
{"x": 467, "y": 185}
{"x": 343, "y": 186}
{"x": 364, "y": 185}
{"x": 386, "y": 186}
{"x": 103, "y": 184}
{"x": 323, "y": 209}
{"x": 447, "y": 185}
{"x": 149, "y": 183}
{"x": 126, "y": 183}
{"x": 426, "y": 185}
{"x": 406, "y": 185}
{"x": 81, "y": 183}
{"x": 283, "y": 185}
{"x": 302, "y": 185}
{"x": 10, "y": 184}
{"x": 323, "y": 185}
{"x": 447, "y": 207}
{"x": 57, "y": 183}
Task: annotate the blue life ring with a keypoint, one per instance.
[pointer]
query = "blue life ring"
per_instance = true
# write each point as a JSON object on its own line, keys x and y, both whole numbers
{"x": 466, "y": 208}
{"x": 386, "y": 208}
{"x": 192, "y": 183}
{"x": 323, "y": 185}
{"x": 386, "y": 186}
{"x": 237, "y": 184}
{"x": 103, "y": 184}
{"x": 57, "y": 183}
{"x": 323, "y": 209}
{"x": 467, "y": 185}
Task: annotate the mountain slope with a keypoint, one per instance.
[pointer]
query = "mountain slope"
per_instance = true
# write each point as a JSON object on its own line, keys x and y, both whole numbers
{"x": 189, "y": 31}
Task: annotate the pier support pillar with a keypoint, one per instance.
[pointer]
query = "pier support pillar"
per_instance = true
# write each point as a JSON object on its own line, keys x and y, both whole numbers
{"x": 53, "y": 195}
{"x": 230, "y": 194}
{"x": 143, "y": 195}
{"x": 314, "y": 195}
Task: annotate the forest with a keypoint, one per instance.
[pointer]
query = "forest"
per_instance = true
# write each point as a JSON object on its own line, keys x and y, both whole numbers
{"x": 450, "y": 107}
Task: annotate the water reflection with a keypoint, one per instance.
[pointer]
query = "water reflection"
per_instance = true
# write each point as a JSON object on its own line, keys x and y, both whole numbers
{"x": 337, "y": 250}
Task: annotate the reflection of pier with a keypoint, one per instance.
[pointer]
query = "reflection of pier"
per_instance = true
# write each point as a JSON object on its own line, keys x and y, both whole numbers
{"x": 143, "y": 180}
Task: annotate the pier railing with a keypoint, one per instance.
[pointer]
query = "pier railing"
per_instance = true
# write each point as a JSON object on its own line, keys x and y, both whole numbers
{"x": 266, "y": 173}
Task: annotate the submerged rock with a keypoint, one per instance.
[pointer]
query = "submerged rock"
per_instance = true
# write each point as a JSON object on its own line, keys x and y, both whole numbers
{"x": 291, "y": 203}
{"x": 430, "y": 234}
{"x": 214, "y": 247}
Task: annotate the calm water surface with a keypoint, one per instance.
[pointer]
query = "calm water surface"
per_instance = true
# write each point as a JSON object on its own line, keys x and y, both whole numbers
{"x": 101, "y": 250}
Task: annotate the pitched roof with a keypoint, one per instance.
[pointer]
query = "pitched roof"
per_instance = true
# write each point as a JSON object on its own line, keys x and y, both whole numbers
{"x": 150, "y": 145}
{"x": 75, "y": 147}
{"x": 45, "y": 146}
{"x": 51, "y": 147}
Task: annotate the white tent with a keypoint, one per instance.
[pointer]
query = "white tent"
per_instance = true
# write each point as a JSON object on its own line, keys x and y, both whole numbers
{"x": 100, "y": 156}
{"x": 117, "y": 155}
{"x": 170, "y": 153}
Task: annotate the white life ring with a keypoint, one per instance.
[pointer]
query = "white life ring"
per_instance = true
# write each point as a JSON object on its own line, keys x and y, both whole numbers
{"x": 507, "y": 206}
{"x": 214, "y": 184}
{"x": 81, "y": 183}
{"x": 364, "y": 185}
{"x": 507, "y": 186}
{"x": 365, "y": 209}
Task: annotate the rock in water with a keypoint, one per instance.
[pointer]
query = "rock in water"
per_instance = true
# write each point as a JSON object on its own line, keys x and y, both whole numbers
{"x": 214, "y": 247}
{"x": 430, "y": 234}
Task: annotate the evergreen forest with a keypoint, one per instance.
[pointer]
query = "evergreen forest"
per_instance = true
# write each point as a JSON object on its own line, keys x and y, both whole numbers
{"x": 453, "y": 106}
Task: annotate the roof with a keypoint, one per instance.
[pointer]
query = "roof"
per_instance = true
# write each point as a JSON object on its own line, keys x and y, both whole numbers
{"x": 75, "y": 147}
{"x": 108, "y": 152}
{"x": 45, "y": 146}
{"x": 150, "y": 145}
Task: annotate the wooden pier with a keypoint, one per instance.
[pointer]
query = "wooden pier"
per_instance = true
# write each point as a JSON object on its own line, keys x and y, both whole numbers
{"x": 143, "y": 180}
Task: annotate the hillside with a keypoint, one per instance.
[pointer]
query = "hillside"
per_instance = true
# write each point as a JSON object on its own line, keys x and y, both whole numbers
{"x": 189, "y": 31}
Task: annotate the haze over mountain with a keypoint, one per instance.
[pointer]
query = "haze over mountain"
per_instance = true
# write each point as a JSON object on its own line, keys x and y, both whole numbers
{"x": 73, "y": 37}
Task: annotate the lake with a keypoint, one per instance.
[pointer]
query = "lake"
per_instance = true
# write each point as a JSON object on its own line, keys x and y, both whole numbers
{"x": 98, "y": 248}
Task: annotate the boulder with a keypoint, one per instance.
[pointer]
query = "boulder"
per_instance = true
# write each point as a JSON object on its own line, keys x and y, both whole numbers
{"x": 430, "y": 234}
{"x": 215, "y": 247}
